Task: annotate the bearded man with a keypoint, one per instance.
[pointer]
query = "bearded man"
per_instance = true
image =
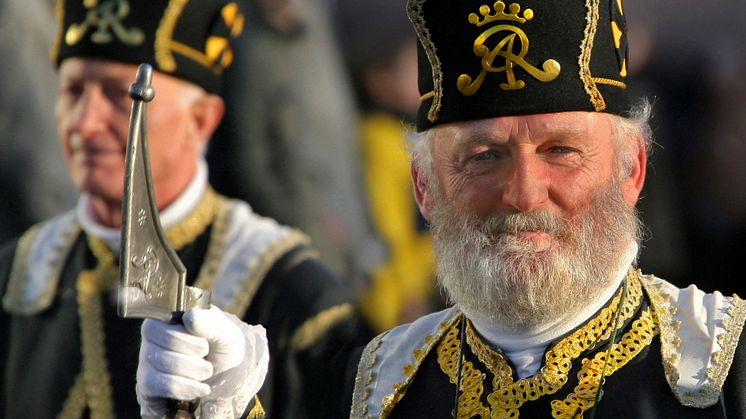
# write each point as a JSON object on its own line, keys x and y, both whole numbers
{"x": 529, "y": 167}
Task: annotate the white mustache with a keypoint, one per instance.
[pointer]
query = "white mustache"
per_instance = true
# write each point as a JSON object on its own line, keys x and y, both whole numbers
{"x": 512, "y": 224}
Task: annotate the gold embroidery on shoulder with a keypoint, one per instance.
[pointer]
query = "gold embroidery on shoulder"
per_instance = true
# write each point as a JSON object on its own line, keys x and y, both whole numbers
{"x": 664, "y": 312}
{"x": 15, "y": 299}
{"x": 513, "y": 37}
{"x": 258, "y": 271}
{"x": 313, "y": 328}
{"x": 364, "y": 377}
{"x": 416, "y": 15}
{"x": 419, "y": 354}
{"x": 728, "y": 341}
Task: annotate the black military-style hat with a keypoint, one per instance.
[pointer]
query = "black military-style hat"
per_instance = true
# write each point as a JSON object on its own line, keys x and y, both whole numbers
{"x": 485, "y": 58}
{"x": 183, "y": 38}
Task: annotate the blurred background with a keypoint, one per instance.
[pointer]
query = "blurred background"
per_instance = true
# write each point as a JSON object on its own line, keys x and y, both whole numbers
{"x": 318, "y": 104}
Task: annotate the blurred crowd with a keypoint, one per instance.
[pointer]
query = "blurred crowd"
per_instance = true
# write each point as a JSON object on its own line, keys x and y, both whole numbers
{"x": 319, "y": 105}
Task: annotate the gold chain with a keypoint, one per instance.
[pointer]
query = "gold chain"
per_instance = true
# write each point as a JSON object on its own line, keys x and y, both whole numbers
{"x": 508, "y": 395}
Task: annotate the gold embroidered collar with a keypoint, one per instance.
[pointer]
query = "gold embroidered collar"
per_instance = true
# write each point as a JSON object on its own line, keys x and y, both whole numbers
{"x": 509, "y": 395}
{"x": 93, "y": 385}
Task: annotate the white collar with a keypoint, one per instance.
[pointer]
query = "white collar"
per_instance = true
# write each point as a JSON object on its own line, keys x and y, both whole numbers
{"x": 526, "y": 349}
{"x": 169, "y": 217}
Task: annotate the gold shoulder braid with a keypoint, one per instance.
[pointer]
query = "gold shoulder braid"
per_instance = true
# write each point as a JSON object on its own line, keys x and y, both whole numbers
{"x": 508, "y": 395}
{"x": 92, "y": 387}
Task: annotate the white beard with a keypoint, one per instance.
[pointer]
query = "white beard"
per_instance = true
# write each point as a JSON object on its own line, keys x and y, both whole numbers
{"x": 518, "y": 284}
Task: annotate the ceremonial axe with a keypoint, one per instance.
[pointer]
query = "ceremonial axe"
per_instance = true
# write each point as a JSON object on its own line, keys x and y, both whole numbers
{"x": 152, "y": 278}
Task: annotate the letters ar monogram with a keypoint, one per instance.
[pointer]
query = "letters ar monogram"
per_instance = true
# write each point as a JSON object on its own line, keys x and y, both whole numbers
{"x": 514, "y": 38}
{"x": 105, "y": 16}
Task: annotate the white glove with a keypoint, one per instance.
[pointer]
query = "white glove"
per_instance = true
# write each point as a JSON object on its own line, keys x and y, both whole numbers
{"x": 214, "y": 356}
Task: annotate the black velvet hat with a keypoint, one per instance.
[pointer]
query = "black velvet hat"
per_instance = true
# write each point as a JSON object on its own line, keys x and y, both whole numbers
{"x": 183, "y": 38}
{"x": 484, "y": 58}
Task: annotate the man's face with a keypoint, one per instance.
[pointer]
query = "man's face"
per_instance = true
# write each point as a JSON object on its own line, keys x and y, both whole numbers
{"x": 530, "y": 214}
{"x": 92, "y": 115}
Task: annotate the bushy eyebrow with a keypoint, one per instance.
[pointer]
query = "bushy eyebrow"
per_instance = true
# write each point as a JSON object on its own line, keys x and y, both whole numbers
{"x": 484, "y": 137}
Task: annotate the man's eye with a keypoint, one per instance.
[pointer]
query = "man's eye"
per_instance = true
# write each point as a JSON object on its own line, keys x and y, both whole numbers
{"x": 73, "y": 90}
{"x": 487, "y": 155}
{"x": 561, "y": 150}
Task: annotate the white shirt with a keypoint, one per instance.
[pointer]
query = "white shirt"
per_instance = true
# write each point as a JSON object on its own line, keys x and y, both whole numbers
{"x": 169, "y": 217}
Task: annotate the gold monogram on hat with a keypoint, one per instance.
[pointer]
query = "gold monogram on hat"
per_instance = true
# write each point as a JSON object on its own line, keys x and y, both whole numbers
{"x": 513, "y": 39}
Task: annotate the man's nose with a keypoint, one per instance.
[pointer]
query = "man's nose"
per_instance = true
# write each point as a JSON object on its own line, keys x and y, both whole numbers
{"x": 91, "y": 112}
{"x": 527, "y": 186}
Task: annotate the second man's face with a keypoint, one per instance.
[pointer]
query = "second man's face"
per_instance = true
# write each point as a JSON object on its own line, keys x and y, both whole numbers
{"x": 92, "y": 116}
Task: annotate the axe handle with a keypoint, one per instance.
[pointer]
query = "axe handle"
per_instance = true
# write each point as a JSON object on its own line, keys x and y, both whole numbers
{"x": 180, "y": 409}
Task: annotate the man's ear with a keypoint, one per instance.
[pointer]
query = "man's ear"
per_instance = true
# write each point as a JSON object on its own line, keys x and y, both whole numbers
{"x": 421, "y": 192}
{"x": 207, "y": 112}
{"x": 633, "y": 181}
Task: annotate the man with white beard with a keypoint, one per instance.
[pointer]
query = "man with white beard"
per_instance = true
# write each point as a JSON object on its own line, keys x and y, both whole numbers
{"x": 529, "y": 167}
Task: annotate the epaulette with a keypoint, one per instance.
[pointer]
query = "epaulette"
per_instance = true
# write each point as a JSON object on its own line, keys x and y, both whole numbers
{"x": 699, "y": 335}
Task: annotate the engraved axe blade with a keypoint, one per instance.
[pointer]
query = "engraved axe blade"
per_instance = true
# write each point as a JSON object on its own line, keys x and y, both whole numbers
{"x": 152, "y": 278}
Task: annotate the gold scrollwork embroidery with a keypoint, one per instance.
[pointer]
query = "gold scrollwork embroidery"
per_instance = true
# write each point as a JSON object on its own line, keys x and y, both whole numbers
{"x": 505, "y": 48}
{"x": 107, "y": 18}
{"x": 508, "y": 395}
{"x": 582, "y": 398}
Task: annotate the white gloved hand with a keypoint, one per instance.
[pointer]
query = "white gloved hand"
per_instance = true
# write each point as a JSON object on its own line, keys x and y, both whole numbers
{"x": 213, "y": 356}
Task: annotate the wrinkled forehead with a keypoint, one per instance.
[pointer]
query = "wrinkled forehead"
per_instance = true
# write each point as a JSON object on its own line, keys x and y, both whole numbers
{"x": 534, "y": 128}
{"x": 96, "y": 69}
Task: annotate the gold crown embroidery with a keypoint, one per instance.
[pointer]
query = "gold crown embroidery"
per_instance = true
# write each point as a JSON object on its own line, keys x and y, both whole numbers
{"x": 505, "y": 48}
{"x": 106, "y": 17}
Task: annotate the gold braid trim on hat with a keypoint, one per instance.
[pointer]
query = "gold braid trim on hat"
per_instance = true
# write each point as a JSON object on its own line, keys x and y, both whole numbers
{"x": 584, "y": 61}
{"x": 609, "y": 82}
{"x": 59, "y": 17}
{"x": 508, "y": 395}
{"x": 92, "y": 387}
{"x": 164, "y": 35}
{"x": 417, "y": 16}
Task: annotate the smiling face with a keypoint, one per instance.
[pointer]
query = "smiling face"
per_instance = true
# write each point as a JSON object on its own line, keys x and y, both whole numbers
{"x": 530, "y": 214}
{"x": 92, "y": 115}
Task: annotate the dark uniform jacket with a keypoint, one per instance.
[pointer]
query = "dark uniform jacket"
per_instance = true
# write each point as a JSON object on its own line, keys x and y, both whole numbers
{"x": 65, "y": 352}
{"x": 676, "y": 354}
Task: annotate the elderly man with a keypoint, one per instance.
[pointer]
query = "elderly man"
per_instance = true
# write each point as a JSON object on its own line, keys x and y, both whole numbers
{"x": 530, "y": 163}
{"x": 64, "y": 351}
